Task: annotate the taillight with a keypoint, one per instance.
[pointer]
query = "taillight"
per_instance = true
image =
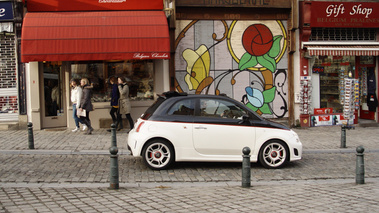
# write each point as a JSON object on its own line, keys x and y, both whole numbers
{"x": 139, "y": 126}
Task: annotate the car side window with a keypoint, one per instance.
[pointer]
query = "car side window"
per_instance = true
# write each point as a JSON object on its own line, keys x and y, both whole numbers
{"x": 182, "y": 107}
{"x": 221, "y": 109}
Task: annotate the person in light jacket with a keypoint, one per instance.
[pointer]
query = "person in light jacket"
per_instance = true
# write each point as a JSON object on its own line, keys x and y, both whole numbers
{"x": 124, "y": 102}
{"x": 85, "y": 103}
{"x": 76, "y": 95}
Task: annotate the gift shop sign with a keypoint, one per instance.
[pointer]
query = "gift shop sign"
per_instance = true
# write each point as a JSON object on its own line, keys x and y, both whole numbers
{"x": 92, "y": 5}
{"x": 345, "y": 14}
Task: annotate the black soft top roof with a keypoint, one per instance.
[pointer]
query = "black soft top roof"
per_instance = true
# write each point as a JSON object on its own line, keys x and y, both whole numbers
{"x": 170, "y": 94}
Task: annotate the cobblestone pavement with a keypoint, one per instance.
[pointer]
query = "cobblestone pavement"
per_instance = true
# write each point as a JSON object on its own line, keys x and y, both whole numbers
{"x": 292, "y": 196}
{"x": 324, "y": 138}
{"x": 68, "y": 172}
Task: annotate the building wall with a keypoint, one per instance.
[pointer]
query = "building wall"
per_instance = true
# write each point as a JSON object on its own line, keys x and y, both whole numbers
{"x": 213, "y": 57}
{"x": 8, "y": 78}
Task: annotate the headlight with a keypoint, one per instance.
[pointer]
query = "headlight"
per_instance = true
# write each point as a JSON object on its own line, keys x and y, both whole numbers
{"x": 296, "y": 136}
{"x": 297, "y": 139}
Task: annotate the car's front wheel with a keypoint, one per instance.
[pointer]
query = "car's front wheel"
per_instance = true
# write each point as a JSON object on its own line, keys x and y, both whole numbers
{"x": 273, "y": 154}
{"x": 158, "y": 154}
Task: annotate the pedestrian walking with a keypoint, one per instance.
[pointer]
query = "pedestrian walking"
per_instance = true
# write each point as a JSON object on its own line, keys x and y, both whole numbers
{"x": 115, "y": 95}
{"x": 85, "y": 104}
{"x": 76, "y": 95}
{"x": 124, "y": 102}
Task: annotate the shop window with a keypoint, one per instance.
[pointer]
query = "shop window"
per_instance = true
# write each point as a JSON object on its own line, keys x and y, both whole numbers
{"x": 333, "y": 70}
{"x": 138, "y": 73}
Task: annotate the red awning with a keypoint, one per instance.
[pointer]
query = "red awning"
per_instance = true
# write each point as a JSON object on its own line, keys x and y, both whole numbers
{"x": 81, "y": 36}
{"x": 348, "y": 50}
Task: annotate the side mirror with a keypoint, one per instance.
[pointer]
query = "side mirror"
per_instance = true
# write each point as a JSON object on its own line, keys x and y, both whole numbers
{"x": 245, "y": 119}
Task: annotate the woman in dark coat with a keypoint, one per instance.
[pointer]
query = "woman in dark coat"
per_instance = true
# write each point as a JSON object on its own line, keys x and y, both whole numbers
{"x": 115, "y": 95}
{"x": 85, "y": 103}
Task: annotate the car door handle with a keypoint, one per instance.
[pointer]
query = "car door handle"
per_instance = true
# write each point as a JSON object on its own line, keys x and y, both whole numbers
{"x": 200, "y": 127}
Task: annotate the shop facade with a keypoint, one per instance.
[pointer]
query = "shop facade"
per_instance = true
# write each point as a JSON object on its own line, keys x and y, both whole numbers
{"x": 339, "y": 49}
{"x": 94, "y": 40}
{"x": 243, "y": 49}
{"x": 11, "y": 72}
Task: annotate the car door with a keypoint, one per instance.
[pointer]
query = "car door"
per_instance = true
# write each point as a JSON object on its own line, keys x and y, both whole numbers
{"x": 218, "y": 128}
{"x": 178, "y": 123}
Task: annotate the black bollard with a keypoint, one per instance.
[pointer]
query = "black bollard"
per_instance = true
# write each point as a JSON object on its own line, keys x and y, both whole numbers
{"x": 30, "y": 135}
{"x": 360, "y": 166}
{"x": 246, "y": 170}
{"x": 343, "y": 136}
{"x": 113, "y": 176}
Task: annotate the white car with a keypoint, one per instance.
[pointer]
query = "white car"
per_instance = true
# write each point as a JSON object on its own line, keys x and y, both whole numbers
{"x": 204, "y": 128}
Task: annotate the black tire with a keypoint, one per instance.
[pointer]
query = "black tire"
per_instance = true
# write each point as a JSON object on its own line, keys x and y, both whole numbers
{"x": 273, "y": 154}
{"x": 158, "y": 154}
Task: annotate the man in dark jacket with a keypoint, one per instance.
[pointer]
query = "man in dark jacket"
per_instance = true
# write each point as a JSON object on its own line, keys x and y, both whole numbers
{"x": 85, "y": 103}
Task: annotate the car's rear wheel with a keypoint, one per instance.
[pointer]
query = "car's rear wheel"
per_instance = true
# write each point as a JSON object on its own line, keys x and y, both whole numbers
{"x": 273, "y": 154}
{"x": 158, "y": 154}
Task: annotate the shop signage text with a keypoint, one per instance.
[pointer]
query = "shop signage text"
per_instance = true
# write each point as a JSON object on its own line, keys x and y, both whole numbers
{"x": 92, "y": 5}
{"x": 234, "y": 3}
{"x": 6, "y": 12}
{"x": 336, "y": 10}
{"x": 345, "y": 14}
{"x": 150, "y": 56}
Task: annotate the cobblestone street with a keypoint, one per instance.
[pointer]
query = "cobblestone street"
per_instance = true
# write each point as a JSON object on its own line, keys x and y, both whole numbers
{"x": 69, "y": 172}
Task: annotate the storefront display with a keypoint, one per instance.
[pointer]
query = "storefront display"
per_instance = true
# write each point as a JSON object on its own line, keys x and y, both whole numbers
{"x": 138, "y": 73}
{"x": 333, "y": 70}
{"x": 339, "y": 42}
{"x": 339, "y": 91}
{"x": 305, "y": 97}
{"x": 348, "y": 103}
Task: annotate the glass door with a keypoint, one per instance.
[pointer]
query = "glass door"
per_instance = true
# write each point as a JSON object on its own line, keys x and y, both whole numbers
{"x": 53, "y": 103}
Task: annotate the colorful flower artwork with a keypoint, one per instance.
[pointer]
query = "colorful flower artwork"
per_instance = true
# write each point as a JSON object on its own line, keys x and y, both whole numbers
{"x": 245, "y": 60}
